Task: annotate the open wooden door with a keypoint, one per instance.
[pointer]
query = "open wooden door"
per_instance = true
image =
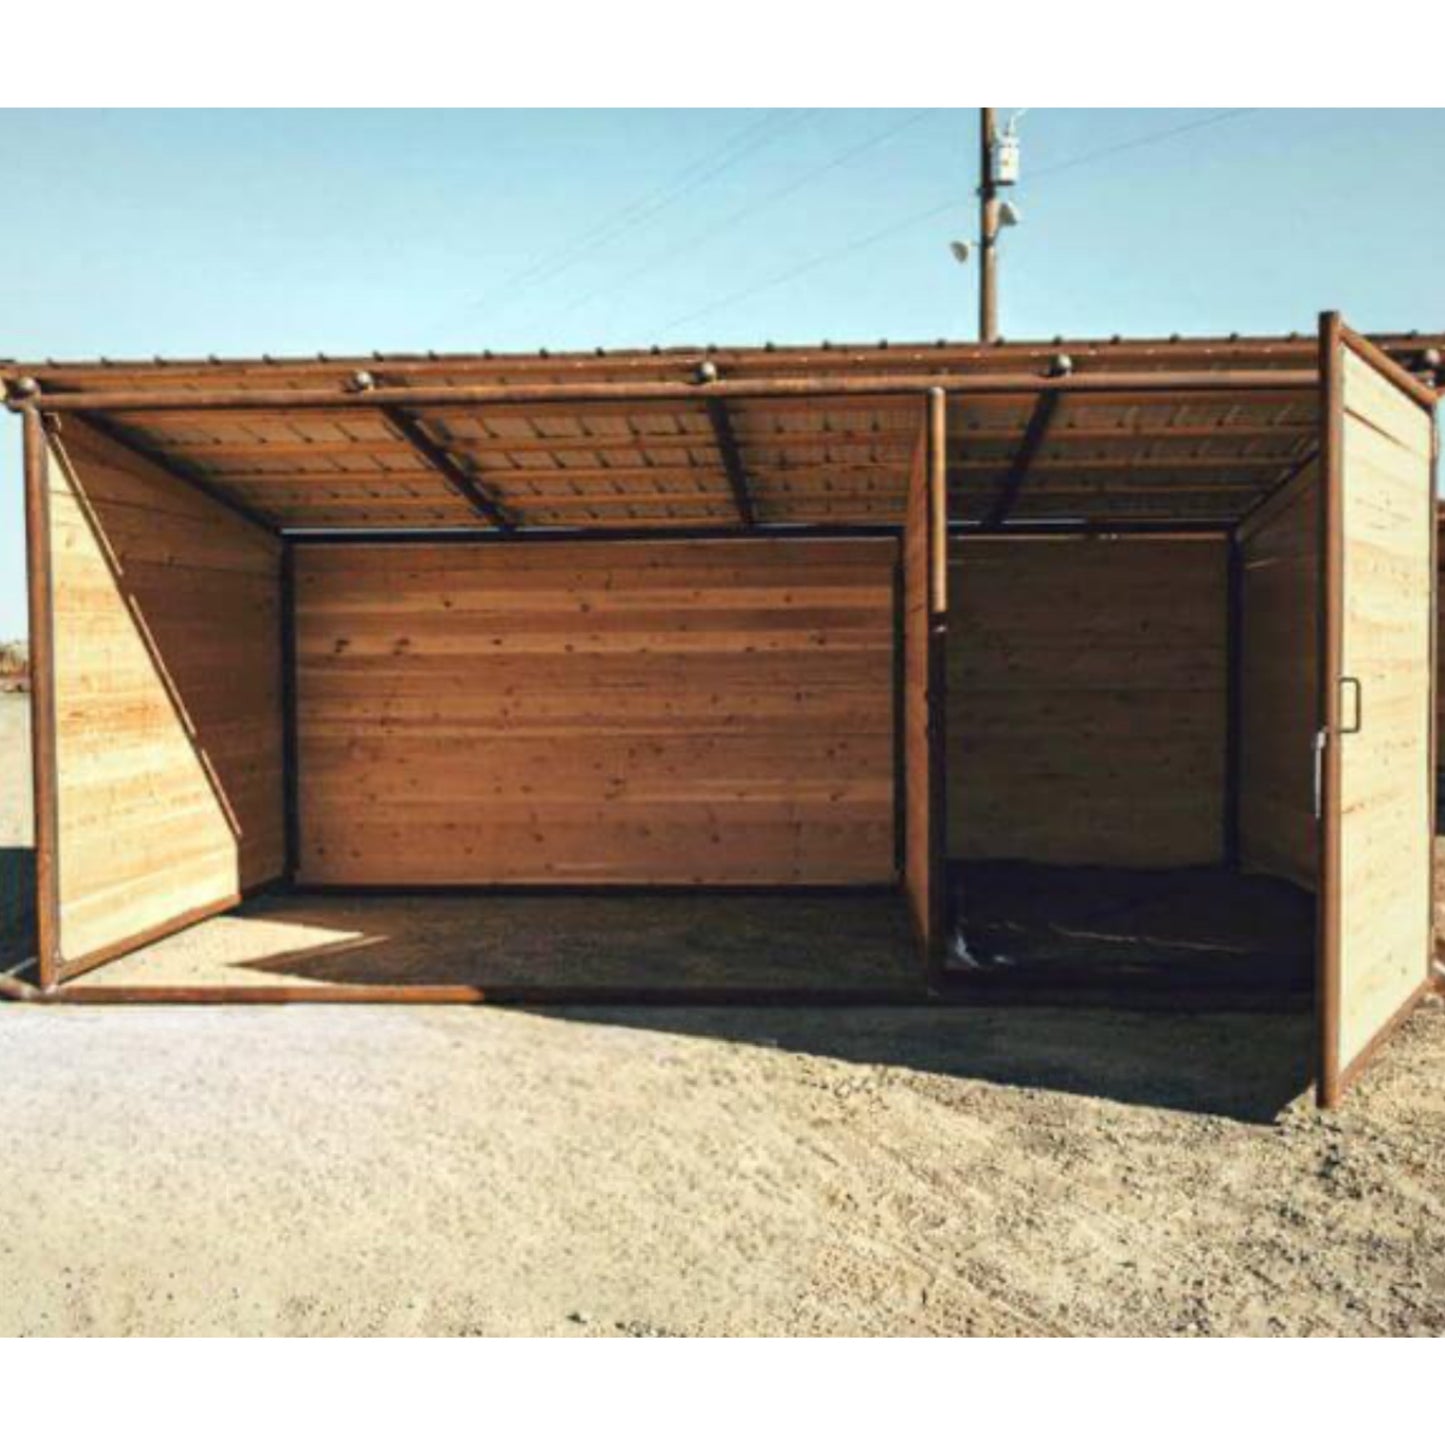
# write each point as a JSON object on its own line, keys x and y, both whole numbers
{"x": 1377, "y": 743}
{"x": 156, "y": 652}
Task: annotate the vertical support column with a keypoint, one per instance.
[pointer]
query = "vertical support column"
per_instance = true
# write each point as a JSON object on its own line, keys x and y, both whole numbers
{"x": 41, "y": 611}
{"x": 938, "y": 673}
{"x": 290, "y": 780}
{"x": 925, "y": 621}
{"x": 1433, "y": 807}
{"x": 1233, "y": 672}
{"x": 1327, "y": 761}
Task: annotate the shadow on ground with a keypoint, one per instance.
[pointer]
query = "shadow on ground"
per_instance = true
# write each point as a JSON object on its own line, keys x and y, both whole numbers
{"x": 17, "y": 906}
{"x": 801, "y": 974}
{"x": 1244, "y": 1066}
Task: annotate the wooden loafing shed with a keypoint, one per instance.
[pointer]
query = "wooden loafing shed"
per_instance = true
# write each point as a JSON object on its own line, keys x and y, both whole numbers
{"x": 801, "y": 631}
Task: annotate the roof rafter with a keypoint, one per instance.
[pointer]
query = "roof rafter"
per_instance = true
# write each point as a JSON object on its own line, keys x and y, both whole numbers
{"x": 439, "y": 459}
{"x": 732, "y": 458}
{"x": 1045, "y": 410}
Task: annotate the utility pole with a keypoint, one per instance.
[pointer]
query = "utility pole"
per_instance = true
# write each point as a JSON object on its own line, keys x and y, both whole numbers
{"x": 988, "y": 228}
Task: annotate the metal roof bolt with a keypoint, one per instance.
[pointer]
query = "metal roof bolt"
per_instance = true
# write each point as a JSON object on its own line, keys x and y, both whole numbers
{"x": 706, "y": 372}
{"x": 362, "y": 381}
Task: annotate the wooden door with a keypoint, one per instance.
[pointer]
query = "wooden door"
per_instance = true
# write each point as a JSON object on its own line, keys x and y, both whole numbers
{"x": 1377, "y": 739}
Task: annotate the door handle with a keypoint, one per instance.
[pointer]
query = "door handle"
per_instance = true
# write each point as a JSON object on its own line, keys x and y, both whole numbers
{"x": 1359, "y": 722}
{"x": 1322, "y": 738}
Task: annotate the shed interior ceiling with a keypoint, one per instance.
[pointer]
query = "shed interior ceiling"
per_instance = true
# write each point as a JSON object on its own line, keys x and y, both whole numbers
{"x": 1088, "y": 457}
{"x": 839, "y": 462}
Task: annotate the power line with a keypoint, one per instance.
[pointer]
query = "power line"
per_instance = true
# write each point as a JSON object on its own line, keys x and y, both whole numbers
{"x": 814, "y": 263}
{"x": 918, "y": 217}
{"x": 669, "y": 254}
{"x": 759, "y": 133}
{"x": 1152, "y": 138}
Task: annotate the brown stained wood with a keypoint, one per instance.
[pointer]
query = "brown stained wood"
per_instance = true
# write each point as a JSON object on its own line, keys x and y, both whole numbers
{"x": 616, "y": 458}
{"x": 925, "y": 609}
{"x": 1035, "y": 436}
{"x": 1279, "y": 681}
{"x": 831, "y": 389}
{"x": 732, "y": 460}
{"x": 183, "y": 470}
{"x": 1087, "y": 700}
{"x": 680, "y": 362}
{"x": 636, "y": 713}
{"x": 467, "y": 486}
{"x": 167, "y": 695}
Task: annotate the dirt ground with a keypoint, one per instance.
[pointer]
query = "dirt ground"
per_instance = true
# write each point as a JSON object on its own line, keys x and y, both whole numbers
{"x": 325, "y": 1170}
{"x": 746, "y": 940}
{"x": 321, "y": 1170}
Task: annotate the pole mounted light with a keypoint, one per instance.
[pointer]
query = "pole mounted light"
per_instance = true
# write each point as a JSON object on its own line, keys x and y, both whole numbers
{"x": 999, "y": 167}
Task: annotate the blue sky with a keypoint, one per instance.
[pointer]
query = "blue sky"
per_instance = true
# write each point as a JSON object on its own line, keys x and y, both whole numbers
{"x": 135, "y": 233}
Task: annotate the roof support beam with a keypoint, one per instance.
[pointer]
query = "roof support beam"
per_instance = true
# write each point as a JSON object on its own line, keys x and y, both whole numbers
{"x": 1256, "y": 382}
{"x": 732, "y": 457}
{"x": 460, "y": 478}
{"x": 183, "y": 471}
{"x": 1035, "y": 435}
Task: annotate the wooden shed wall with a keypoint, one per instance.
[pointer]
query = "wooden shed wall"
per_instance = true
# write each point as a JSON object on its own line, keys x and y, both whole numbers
{"x": 690, "y": 712}
{"x": 167, "y": 665}
{"x": 1087, "y": 700}
{"x": 1385, "y": 764}
{"x": 1279, "y": 684}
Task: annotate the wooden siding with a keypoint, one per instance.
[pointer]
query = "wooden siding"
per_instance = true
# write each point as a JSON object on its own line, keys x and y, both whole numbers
{"x": 715, "y": 712}
{"x": 1279, "y": 685}
{"x": 924, "y": 601}
{"x": 167, "y": 685}
{"x": 1087, "y": 709}
{"x": 1385, "y": 767}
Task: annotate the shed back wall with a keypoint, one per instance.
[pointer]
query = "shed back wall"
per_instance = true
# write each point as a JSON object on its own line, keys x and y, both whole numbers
{"x": 689, "y": 712}
{"x": 1087, "y": 700}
